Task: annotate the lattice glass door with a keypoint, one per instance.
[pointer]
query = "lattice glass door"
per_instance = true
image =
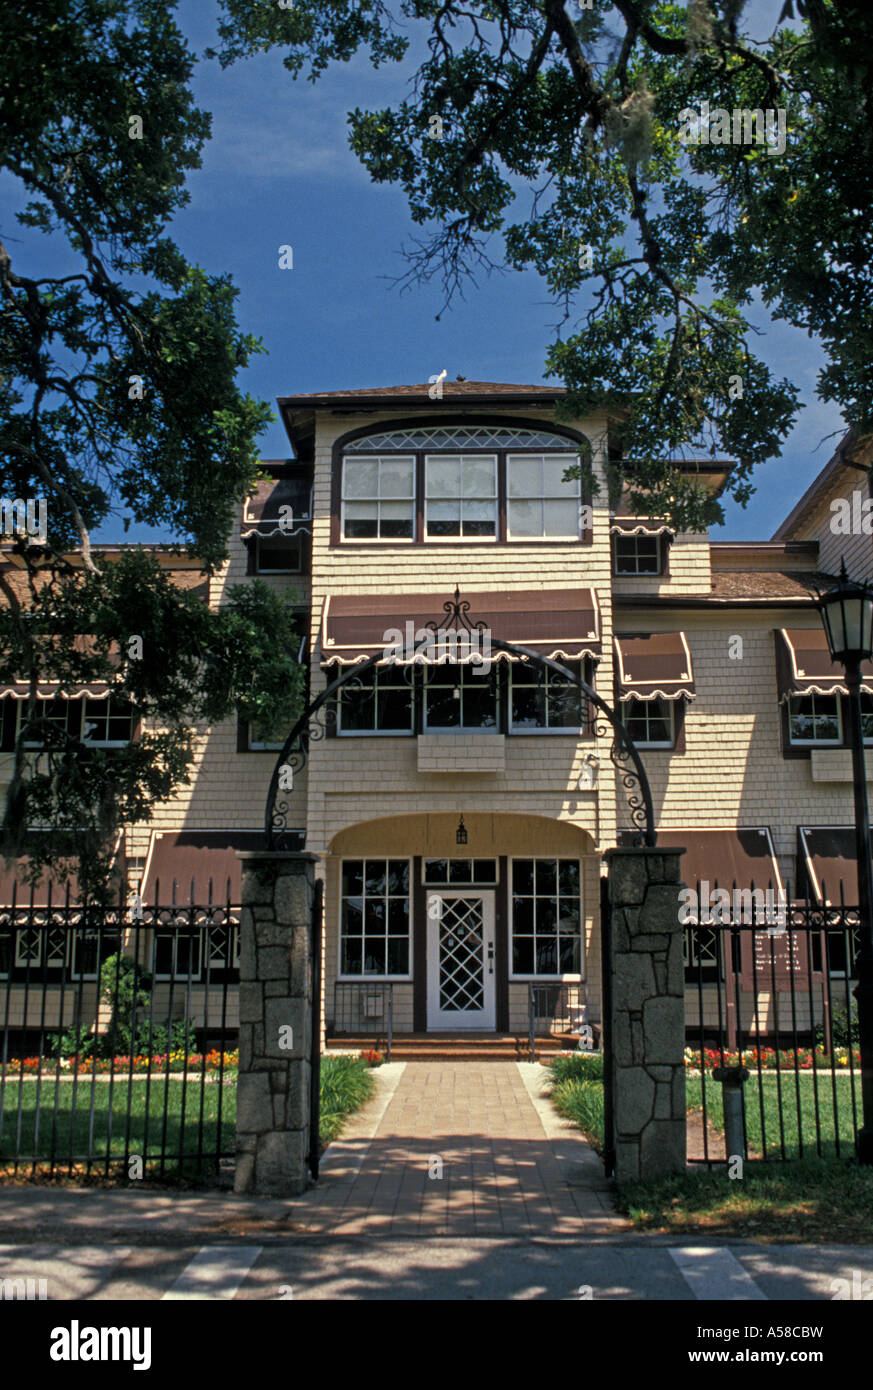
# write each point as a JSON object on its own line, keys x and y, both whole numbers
{"x": 460, "y": 960}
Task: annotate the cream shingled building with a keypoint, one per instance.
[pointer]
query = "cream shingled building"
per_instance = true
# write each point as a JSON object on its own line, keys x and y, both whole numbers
{"x": 460, "y": 816}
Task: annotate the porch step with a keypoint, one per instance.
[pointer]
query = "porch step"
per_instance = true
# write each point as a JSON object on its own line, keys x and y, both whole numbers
{"x": 480, "y": 1047}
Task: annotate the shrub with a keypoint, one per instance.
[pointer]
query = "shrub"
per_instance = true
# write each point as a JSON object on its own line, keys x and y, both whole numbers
{"x": 578, "y": 1066}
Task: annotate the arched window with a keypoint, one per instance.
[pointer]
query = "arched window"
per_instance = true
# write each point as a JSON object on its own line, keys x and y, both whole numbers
{"x": 481, "y": 483}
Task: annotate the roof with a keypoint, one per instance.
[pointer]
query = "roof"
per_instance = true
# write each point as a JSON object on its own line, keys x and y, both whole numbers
{"x": 476, "y": 390}
{"x": 820, "y": 484}
{"x": 754, "y": 587}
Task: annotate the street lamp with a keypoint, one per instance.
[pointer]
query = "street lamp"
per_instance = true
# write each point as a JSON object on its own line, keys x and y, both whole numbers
{"x": 847, "y": 614}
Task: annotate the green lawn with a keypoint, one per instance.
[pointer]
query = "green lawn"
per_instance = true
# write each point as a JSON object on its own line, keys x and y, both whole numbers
{"x": 769, "y": 1123}
{"x": 67, "y": 1126}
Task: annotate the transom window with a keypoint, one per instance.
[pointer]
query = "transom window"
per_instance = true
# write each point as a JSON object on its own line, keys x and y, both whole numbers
{"x": 649, "y": 722}
{"x": 637, "y": 555}
{"x": 379, "y": 497}
{"x": 815, "y": 719}
{"x": 546, "y": 917}
{"x": 463, "y": 873}
{"x": 374, "y": 921}
{"x": 456, "y": 483}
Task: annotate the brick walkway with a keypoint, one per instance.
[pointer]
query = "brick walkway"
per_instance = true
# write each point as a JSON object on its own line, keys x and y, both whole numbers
{"x": 461, "y": 1150}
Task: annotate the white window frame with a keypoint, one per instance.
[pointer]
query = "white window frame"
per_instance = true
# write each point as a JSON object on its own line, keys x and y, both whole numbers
{"x": 494, "y": 728}
{"x": 817, "y": 742}
{"x": 374, "y": 979}
{"x": 375, "y": 733}
{"x": 352, "y": 457}
{"x": 461, "y": 539}
{"x": 31, "y": 745}
{"x": 108, "y": 742}
{"x": 544, "y": 539}
{"x": 522, "y": 731}
{"x": 648, "y": 705}
{"x": 572, "y": 977}
{"x": 638, "y": 573}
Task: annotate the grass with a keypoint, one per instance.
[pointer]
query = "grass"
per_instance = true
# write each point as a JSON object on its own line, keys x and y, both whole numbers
{"x": 813, "y": 1200}
{"x": 768, "y": 1121}
{"x": 346, "y": 1083}
{"x": 577, "y": 1092}
{"x": 808, "y": 1198}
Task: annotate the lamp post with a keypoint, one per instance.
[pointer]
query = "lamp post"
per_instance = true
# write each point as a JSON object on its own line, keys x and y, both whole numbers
{"x": 847, "y": 614}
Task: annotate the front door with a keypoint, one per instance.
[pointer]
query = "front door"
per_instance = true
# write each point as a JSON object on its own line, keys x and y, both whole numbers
{"x": 460, "y": 960}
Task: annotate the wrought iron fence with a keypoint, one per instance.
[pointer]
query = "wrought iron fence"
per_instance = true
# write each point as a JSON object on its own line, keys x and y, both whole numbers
{"x": 557, "y": 1010}
{"x": 769, "y": 988}
{"x": 118, "y": 1027}
{"x": 361, "y": 1007}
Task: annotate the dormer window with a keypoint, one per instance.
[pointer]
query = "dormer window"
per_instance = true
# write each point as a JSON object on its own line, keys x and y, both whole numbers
{"x": 446, "y": 484}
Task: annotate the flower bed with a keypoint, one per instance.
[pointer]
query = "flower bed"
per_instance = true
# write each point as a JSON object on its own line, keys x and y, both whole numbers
{"x": 176, "y": 1062}
{"x": 770, "y": 1059}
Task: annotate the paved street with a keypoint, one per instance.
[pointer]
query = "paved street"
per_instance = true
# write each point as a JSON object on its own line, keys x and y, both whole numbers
{"x": 457, "y": 1181}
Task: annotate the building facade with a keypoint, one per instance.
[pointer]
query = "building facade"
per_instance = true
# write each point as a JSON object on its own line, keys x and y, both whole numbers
{"x": 460, "y": 808}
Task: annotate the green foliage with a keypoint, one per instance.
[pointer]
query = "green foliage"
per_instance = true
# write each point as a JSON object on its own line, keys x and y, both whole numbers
{"x": 844, "y": 1030}
{"x": 561, "y": 129}
{"x": 117, "y": 301}
{"x": 346, "y": 1083}
{"x": 577, "y": 1066}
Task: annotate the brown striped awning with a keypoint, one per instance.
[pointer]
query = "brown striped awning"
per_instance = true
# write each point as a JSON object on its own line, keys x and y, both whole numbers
{"x": 804, "y": 666}
{"x": 629, "y": 524}
{"x": 199, "y": 866}
{"x": 654, "y": 667}
{"x": 50, "y": 886}
{"x": 51, "y": 689}
{"x": 826, "y": 857}
{"x": 563, "y": 624}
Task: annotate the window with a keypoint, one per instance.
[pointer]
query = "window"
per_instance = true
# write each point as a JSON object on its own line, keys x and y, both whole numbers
{"x": 546, "y": 917}
{"x": 540, "y": 700}
{"x": 107, "y": 723}
{"x": 378, "y": 702}
{"x": 637, "y": 555}
{"x": 444, "y": 484}
{"x": 91, "y": 947}
{"x": 374, "y": 923}
{"x": 462, "y": 873}
{"x": 650, "y": 723}
{"x": 460, "y": 496}
{"x": 278, "y": 557}
{"x": 702, "y": 955}
{"x": 59, "y": 714}
{"x": 539, "y": 504}
{"x": 814, "y": 719}
{"x": 378, "y": 499}
{"x": 177, "y": 951}
{"x": 867, "y": 717}
{"x": 456, "y": 699}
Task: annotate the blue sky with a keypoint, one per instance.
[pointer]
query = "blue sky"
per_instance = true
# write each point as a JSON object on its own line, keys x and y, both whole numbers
{"x": 278, "y": 170}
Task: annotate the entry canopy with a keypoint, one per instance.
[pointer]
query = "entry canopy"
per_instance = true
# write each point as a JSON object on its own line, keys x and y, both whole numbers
{"x": 563, "y": 624}
{"x": 804, "y": 666}
{"x": 741, "y": 858}
{"x": 655, "y": 667}
{"x": 826, "y": 853}
{"x": 196, "y": 866}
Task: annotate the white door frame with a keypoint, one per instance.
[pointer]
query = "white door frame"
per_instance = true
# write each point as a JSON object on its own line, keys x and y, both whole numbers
{"x": 461, "y": 1020}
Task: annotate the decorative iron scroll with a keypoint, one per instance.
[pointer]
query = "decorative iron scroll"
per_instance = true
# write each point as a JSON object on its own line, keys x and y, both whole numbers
{"x": 321, "y": 713}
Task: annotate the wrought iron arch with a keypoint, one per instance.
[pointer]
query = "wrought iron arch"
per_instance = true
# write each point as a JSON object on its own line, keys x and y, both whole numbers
{"x": 312, "y": 726}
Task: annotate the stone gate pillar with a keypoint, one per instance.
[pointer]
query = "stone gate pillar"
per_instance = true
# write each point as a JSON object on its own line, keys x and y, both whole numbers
{"x": 646, "y": 1058}
{"x": 275, "y": 1023}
